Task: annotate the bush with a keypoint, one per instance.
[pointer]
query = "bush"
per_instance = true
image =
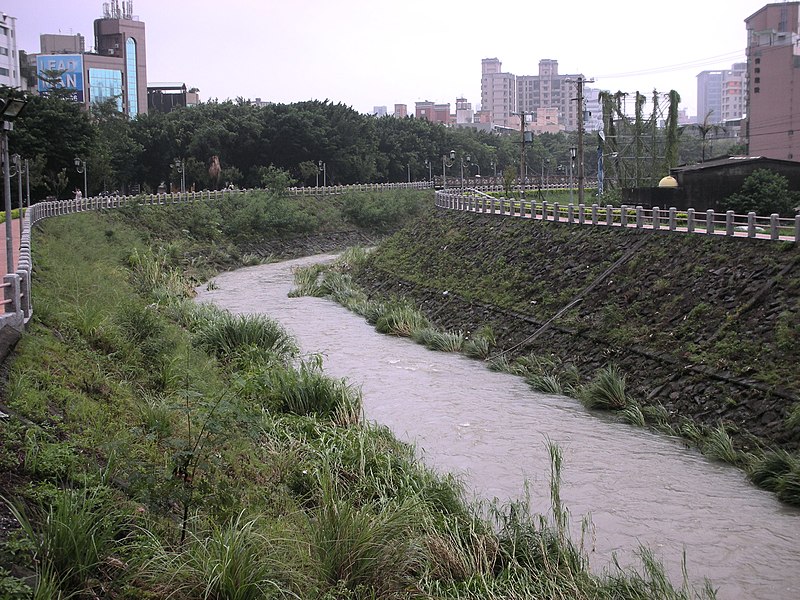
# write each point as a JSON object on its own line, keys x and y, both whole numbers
{"x": 764, "y": 192}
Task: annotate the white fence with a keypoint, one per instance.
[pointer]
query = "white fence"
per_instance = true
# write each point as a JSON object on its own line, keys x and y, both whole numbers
{"x": 709, "y": 222}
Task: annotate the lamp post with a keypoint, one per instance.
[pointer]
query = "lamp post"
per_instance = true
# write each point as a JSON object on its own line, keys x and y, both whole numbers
{"x": 180, "y": 166}
{"x": 322, "y": 168}
{"x": 462, "y": 169}
{"x": 429, "y": 164}
{"x": 573, "y": 151}
{"x": 82, "y": 167}
{"x": 446, "y": 164}
{"x": 408, "y": 169}
{"x": 9, "y": 111}
{"x": 17, "y": 160}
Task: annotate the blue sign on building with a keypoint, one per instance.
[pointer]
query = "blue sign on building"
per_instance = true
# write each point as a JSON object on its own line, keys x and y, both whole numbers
{"x": 69, "y": 69}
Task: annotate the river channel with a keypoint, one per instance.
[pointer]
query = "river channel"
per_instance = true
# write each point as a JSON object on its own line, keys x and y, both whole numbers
{"x": 640, "y": 488}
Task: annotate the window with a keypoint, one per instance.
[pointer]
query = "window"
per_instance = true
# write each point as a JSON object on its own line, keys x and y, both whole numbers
{"x": 105, "y": 84}
{"x": 758, "y": 61}
{"x": 3, "y": 51}
{"x": 130, "y": 76}
{"x": 756, "y": 90}
{"x": 757, "y": 69}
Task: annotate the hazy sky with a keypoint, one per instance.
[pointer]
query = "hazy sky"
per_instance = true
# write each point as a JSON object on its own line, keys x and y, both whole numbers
{"x": 366, "y": 54}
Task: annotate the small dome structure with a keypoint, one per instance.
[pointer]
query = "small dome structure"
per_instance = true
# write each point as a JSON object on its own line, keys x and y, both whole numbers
{"x": 668, "y": 182}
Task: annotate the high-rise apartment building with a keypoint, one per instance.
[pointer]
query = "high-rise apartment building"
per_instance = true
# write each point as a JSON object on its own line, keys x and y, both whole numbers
{"x": 734, "y": 86}
{"x": 721, "y": 94}
{"x": 548, "y": 90}
{"x": 116, "y": 70}
{"x": 773, "y": 81}
{"x": 498, "y": 92}
{"x": 503, "y": 94}
{"x": 9, "y": 56}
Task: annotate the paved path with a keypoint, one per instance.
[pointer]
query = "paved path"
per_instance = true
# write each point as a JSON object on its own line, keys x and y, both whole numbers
{"x": 15, "y": 235}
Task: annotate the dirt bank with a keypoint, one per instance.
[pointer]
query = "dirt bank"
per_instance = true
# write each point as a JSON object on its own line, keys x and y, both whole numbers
{"x": 708, "y": 327}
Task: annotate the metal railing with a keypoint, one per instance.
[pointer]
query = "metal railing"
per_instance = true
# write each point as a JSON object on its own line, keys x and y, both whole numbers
{"x": 772, "y": 227}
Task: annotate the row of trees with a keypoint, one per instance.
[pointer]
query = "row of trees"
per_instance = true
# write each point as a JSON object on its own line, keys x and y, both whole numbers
{"x": 252, "y": 142}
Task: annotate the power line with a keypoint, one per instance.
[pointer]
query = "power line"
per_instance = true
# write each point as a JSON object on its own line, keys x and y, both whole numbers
{"x": 700, "y": 62}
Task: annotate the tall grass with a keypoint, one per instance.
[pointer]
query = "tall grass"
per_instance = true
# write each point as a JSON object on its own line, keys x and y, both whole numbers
{"x": 370, "y": 547}
{"x": 401, "y": 319}
{"x": 226, "y": 334}
{"x": 606, "y": 391}
{"x": 233, "y": 561}
{"x": 718, "y": 445}
{"x": 306, "y": 390}
{"x": 72, "y": 536}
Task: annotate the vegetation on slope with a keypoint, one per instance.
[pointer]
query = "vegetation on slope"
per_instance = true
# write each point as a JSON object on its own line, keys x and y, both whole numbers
{"x": 159, "y": 448}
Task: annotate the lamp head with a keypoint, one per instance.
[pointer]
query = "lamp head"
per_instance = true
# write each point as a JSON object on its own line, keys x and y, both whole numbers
{"x": 77, "y": 161}
{"x": 452, "y": 154}
{"x": 11, "y": 108}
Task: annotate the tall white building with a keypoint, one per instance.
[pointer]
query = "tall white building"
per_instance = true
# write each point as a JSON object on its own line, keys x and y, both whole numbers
{"x": 498, "y": 92}
{"x": 9, "y": 56}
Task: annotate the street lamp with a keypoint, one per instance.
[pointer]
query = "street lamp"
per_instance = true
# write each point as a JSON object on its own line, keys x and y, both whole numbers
{"x": 573, "y": 152}
{"x": 9, "y": 111}
{"x": 408, "y": 168}
{"x": 429, "y": 164}
{"x": 180, "y": 166}
{"x": 462, "y": 169}
{"x": 17, "y": 160}
{"x": 447, "y": 164}
{"x": 82, "y": 167}
{"x": 322, "y": 168}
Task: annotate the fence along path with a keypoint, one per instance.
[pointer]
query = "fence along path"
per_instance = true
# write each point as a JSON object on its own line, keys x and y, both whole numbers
{"x": 709, "y": 222}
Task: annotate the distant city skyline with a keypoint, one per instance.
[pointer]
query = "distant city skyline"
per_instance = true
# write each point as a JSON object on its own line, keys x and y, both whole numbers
{"x": 349, "y": 52}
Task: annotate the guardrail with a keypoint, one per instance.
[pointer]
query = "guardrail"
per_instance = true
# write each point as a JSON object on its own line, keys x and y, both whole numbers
{"x": 709, "y": 222}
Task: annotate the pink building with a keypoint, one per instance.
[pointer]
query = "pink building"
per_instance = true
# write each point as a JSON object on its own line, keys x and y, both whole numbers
{"x": 773, "y": 82}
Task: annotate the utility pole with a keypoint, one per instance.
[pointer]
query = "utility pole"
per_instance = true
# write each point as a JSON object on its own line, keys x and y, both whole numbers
{"x": 580, "y": 81}
{"x": 522, "y": 151}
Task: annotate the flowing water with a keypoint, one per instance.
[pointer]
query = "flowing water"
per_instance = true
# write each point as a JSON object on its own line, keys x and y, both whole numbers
{"x": 640, "y": 488}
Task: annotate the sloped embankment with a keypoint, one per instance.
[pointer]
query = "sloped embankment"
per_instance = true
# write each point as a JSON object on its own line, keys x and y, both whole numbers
{"x": 709, "y": 327}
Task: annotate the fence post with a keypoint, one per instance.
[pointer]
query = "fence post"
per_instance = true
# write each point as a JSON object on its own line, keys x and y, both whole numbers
{"x": 609, "y": 215}
{"x": 594, "y": 214}
{"x": 774, "y": 227}
{"x": 656, "y": 218}
{"x": 570, "y": 214}
{"x": 623, "y": 216}
{"x": 491, "y": 204}
{"x": 690, "y": 220}
{"x": 639, "y": 217}
{"x": 11, "y": 292}
{"x": 581, "y": 213}
{"x": 673, "y": 218}
{"x": 544, "y": 210}
{"x": 729, "y": 222}
{"x": 751, "y": 224}
{"x": 797, "y": 229}
{"x": 502, "y": 208}
{"x": 709, "y": 221}
{"x": 556, "y": 212}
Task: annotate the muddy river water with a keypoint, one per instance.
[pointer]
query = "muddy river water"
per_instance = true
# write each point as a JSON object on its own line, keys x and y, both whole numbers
{"x": 640, "y": 488}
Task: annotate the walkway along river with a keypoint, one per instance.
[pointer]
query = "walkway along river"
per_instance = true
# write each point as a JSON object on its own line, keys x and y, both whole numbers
{"x": 491, "y": 428}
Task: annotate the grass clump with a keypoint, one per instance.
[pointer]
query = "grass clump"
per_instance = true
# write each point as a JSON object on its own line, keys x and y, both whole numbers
{"x": 401, "y": 319}
{"x": 606, "y": 391}
{"x": 226, "y": 335}
{"x": 718, "y": 445}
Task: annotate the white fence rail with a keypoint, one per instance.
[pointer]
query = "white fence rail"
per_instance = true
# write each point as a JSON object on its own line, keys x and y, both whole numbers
{"x": 709, "y": 222}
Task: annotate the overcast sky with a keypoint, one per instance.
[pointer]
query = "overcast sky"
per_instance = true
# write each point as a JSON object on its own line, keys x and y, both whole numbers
{"x": 366, "y": 54}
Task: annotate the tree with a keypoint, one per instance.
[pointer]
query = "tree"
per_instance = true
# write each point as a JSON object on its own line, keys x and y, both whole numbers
{"x": 764, "y": 192}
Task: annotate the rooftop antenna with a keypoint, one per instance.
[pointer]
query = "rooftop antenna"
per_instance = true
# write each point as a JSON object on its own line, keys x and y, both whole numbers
{"x": 106, "y": 10}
